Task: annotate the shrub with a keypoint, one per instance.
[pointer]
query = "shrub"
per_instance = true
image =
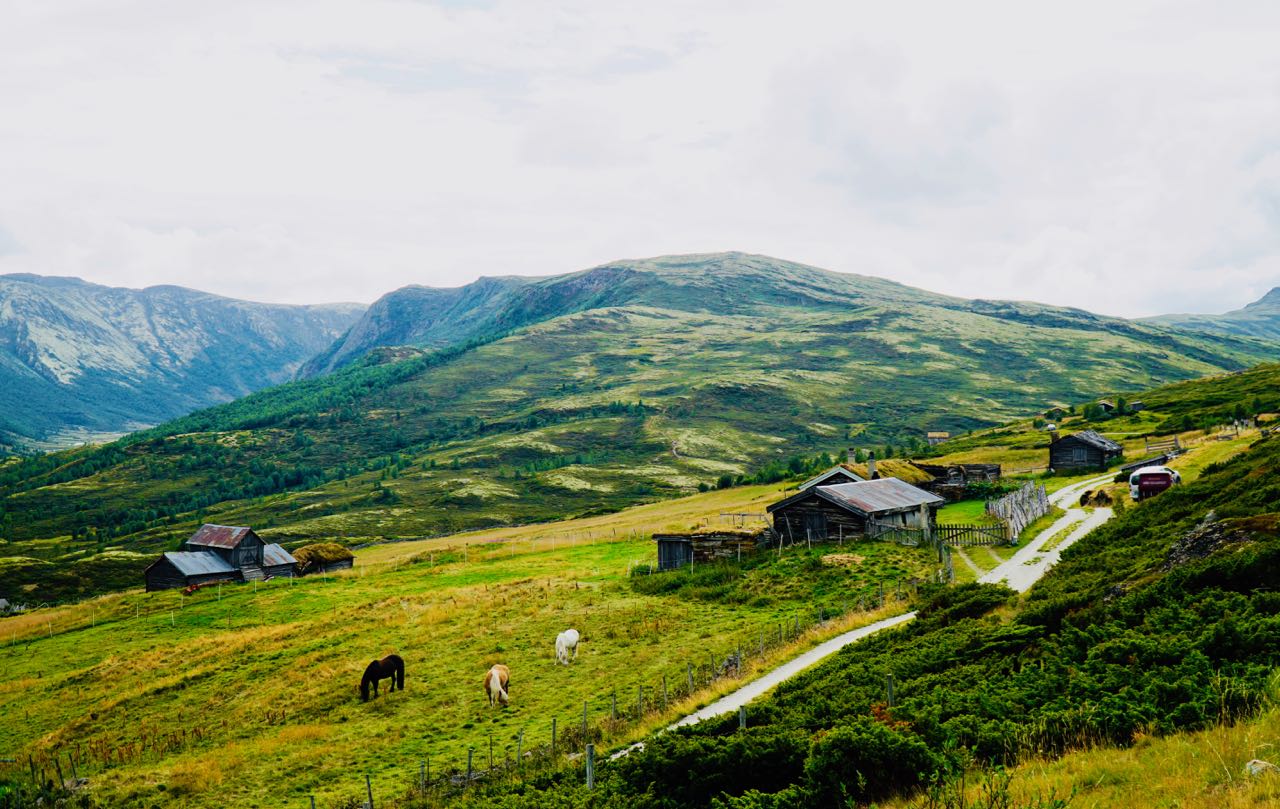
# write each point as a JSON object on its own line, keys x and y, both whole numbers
{"x": 864, "y": 760}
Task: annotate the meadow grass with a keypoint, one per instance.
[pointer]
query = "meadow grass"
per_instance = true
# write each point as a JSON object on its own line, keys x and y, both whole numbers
{"x": 259, "y": 683}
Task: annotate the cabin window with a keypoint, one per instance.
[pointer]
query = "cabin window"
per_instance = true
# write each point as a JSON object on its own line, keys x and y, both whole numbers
{"x": 1079, "y": 455}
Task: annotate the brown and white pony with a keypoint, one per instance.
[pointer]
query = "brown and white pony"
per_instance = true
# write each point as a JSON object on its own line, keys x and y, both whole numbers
{"x": 497, "y": 681}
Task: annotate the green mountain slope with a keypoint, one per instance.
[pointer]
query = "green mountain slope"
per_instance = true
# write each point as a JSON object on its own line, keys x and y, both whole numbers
{"x": 78, "y": 359}
{"x": 1259, "y": 319}
{"x": 594, "y": 410}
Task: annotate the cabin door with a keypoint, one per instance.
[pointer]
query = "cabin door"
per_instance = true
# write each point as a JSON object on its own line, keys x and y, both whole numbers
{"x": 815, "y": 525}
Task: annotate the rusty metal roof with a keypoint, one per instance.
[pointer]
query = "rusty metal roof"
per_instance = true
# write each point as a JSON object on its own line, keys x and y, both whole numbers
{"x": 876, "y": 496}
{"x": 273, "y": 555}
{"x": 198, "y": 563}
{"x": 219, "y": 536}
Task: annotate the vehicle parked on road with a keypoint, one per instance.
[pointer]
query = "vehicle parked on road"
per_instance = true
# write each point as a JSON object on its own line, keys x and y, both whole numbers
{"x": 1151, "y": 480}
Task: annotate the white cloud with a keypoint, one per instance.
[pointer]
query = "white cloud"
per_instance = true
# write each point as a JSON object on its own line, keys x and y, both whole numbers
{"x": 1119, "y": 157}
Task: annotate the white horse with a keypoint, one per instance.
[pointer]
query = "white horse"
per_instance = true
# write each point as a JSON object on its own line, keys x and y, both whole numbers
{"x": 567, "y": 641}
{"x": 496, "y": 682}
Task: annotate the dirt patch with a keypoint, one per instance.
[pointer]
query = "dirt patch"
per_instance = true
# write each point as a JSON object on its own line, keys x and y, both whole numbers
{"x": 843, "y": 559}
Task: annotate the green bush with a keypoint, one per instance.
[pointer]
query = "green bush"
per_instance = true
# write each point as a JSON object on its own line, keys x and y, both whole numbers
{"x": 865, "y": 760}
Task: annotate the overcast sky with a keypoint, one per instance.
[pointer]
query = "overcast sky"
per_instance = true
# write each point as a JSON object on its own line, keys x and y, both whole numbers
{"x": 1121, "y": 157}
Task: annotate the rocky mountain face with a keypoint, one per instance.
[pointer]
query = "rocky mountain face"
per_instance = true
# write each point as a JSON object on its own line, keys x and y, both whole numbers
{"x": 1259, "y": 319}
{"x": 79, "y": 359}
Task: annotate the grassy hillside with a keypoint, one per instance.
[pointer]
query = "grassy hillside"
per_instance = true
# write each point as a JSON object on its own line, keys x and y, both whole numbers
{"x": 247, "y": 696}
{"x": 588, "y": 412}
{"x": 1164, "y": 620}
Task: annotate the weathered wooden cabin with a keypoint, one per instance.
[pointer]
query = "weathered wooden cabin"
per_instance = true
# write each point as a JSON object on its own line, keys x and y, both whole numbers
{"x": 936, "y": 437}
{"x": 184, "y": 568}
{"x": 842, "y": 510}
{"x": 952, "y": 480}
{"x": 840, "y": 473}
{"x": 678, "y": 550}
{"x": 1084, "y": 450}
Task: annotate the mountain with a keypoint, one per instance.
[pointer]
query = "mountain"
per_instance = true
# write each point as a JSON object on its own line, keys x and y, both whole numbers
{"x": 1259, "y": 319}
{"x": 625, "y": 384}
{"x": 721, "y": 284}
{"x": 78, "y": 359}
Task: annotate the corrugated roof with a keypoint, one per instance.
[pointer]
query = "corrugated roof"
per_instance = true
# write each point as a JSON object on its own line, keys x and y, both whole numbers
{"x": 219, "y": 536}
{"x": 884, "y": 494}
{"x": 275, "y": 555}
{"x": 1094, "y": 439}
{"x": 198, "y": 563}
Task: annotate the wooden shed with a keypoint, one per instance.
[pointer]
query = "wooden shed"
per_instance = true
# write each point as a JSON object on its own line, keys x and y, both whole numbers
{"x": 1084, "y": 451}
{"x": 276, "y": 561}
{"x": 827, "y": 512}
{"x": 184, "y": 568}
{"x": 323, "y": 557}
{"x": 678, "y": 550}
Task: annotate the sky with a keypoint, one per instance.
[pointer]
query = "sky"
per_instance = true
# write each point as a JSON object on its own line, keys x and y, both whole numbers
{"x": 1119, "y": 157}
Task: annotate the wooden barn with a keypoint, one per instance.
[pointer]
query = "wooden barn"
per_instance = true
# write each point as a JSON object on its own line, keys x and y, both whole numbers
{"x": 828, "y": 512}
{"x": 220, "y": 553}
{"x": 238, "y": 545}
{"x": 184, "y": 568}
{"x": 1084, "y": 451}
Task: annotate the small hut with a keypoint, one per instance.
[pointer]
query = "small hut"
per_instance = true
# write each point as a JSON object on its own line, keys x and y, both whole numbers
{"x": 276, "y": 561}
{"x": 678, "y": 550}
{"x": 322, "y": 557}
{"x": 1083, "y": 451}
{"x": 840, "y": 473}
{"x": 825, "y": 512}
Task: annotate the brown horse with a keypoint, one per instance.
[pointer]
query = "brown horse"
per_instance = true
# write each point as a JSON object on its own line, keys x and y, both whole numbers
{"x": 390, "y": 666}
{"x": 497, "y": 681}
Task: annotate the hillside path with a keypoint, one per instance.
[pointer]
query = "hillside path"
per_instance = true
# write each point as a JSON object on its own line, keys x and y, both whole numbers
{"x": 1022, "y": 570}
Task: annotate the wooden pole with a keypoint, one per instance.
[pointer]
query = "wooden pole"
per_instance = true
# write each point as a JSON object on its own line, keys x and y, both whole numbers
{"x": 591, "y": 766}
{"x": 422, "y": 775}
{"x": 520, "y": 747}
{"x": 369, "y": 789}
{"x": 313, "y": 801}
{"x": 470, "y": 751}
{"x": 742, "y": 717}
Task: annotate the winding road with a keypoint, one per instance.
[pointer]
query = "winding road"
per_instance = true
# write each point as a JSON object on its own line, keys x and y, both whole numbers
{"x": 1021, "y": 571}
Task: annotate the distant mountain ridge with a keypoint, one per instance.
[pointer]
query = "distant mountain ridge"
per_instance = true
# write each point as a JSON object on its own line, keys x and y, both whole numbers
{"x": 1258, "y": 319}
{"x": 715, "y": 283}
{"x": 81, "y": 357}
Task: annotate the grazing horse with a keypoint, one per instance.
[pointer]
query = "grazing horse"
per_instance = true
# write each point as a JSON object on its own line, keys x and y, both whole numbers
{"x": 567, "y": 641}
{"x": 390, "y": 666}
{"x": 497, "y": 681}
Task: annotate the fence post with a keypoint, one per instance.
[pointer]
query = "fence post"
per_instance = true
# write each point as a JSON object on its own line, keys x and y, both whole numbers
{"x": 742, "y": 717}
{"x": 888, "y": 681}
{"x": 470, "y": 751}
{"x": 639, "y": 701}
{"x": 553, "y": 735}
{"x": 519, "y": 748}
{"x": 591, "y": 766}
{"x": 369, "y": 789}
{"x": 422, "y": 775}
{"x": 491, "y": 752}
{"x": 313, "y": 802}
{"x": 689, "y": 670}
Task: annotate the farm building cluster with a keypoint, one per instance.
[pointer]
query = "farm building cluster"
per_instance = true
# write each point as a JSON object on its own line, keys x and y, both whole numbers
{"x": 228, "y": 553}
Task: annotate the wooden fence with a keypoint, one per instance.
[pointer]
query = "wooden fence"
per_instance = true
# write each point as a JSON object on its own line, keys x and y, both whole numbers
{"x": 957, "y": 535}
{"x": 1020, "y": 508}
